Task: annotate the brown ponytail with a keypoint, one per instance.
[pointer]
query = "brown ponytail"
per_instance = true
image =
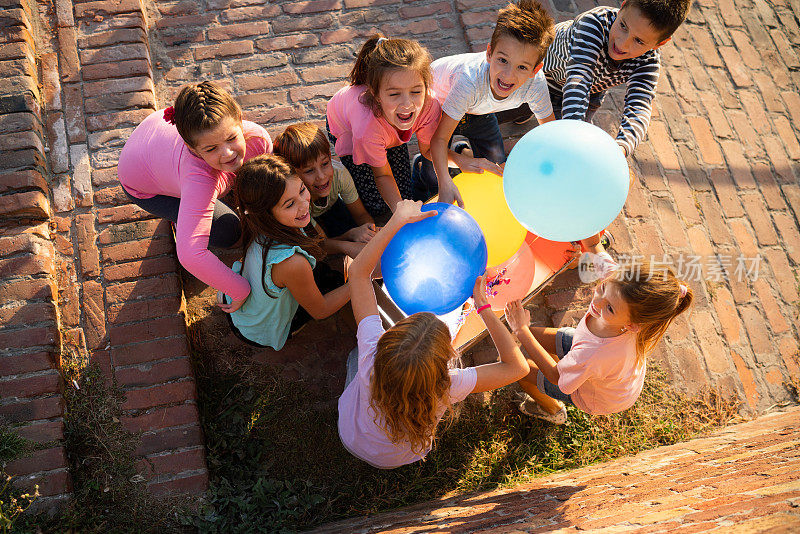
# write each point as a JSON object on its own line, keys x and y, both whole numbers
{"x": 380, "y": 55}
{"x": 655, "y": 297}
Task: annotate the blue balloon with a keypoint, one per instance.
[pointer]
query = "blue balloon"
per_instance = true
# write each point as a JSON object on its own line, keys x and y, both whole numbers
{"x": 566, "y": 180}
{"x": 431, "y": 265}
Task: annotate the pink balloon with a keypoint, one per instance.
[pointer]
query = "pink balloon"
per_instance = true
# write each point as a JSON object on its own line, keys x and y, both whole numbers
{"x": 511, "y": 279}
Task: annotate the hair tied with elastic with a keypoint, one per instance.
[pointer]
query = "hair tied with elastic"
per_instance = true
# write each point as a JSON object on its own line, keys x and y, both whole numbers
{"x": 380, "y": 40}
{"x": 169, "y": 115}
{"x": 684, "y": 289}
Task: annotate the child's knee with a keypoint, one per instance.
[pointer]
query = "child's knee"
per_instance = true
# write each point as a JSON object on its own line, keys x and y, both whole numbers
{"x": 532, "y": 374}
{"x": 225, "y": 231}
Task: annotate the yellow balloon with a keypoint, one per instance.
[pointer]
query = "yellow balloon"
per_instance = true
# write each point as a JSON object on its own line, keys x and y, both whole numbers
{"x": 484, "y": 200}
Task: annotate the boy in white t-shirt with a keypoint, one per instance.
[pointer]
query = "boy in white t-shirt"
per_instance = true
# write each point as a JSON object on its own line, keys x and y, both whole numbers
{"x": 472, "y": 87}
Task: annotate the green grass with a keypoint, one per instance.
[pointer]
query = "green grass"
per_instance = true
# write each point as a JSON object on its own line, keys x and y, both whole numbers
{"x": 13, "y": 502}
{"x": 12, "y": 445}
{"x": 262, "y": 430}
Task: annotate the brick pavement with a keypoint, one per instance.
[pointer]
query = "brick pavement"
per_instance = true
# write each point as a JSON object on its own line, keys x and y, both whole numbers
{"x": 740, "y": 479}
{"x": 89, "y": 277}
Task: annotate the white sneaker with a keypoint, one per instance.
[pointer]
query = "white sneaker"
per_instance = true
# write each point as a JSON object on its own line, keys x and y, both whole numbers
{"x": 531, "y": 408}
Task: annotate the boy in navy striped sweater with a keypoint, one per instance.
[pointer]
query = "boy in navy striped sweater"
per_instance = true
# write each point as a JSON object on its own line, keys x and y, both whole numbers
{"x": 607, "y": 46}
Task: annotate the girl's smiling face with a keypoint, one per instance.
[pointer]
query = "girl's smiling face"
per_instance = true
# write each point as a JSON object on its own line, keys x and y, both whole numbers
{"x": 223, "y": 146}
{"x": 318, "y": 176}
{"x": 293, "y": 208}
{"x": 401, "y": 96}
{"x": 609, "y": 309}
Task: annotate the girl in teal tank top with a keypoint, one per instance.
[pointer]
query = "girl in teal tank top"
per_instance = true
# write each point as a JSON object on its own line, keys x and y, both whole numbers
{"x": 282, "y": 249}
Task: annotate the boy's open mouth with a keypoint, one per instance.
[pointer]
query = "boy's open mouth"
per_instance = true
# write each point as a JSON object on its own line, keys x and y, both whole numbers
{"x": 405, "y": 117}
{"x": 504, "y": 86}
{"x": 323, "y": 186}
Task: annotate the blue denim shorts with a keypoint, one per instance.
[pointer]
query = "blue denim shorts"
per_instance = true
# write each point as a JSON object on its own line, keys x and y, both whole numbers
{"x": 563, "y": 344}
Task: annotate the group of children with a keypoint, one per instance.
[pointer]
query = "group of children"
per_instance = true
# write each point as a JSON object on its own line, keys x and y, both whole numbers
{"x": 292, "y": 204}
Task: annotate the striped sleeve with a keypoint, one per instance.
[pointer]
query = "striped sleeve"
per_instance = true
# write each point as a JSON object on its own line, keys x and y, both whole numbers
{"x": 641, "y": 89}
{"x": 588, "y": 39}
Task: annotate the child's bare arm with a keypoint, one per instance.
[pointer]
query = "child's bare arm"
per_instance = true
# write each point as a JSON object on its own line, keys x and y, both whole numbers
{"x": 387, "y": 186}
{"x": 440, "y": 156}
{"x": 518, "y": 319}
{"x": 295, "y": 274}
{"x": 360, "y": 214}
{"x": 549, "y": 118}
{"x": 512, "y": 365}
{"x": 363, "y": 296}
{"x": 342, "y": 246}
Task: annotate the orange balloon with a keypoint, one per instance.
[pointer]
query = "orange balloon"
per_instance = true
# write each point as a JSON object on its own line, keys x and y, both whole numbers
{"x": 485, "y": 201}
{"x": 511, "y": 279}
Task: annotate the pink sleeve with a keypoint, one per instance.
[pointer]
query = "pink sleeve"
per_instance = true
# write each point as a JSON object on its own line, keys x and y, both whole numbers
{"x": 573, "y": 370}
{"x": 196, "y": 212}
{"x": 428, "y": 122}
{"x": 258, "y": 140}
{"x": 369, "y": 145}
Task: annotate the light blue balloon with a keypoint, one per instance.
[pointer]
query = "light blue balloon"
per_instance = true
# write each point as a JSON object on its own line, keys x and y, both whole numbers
{"x": 431, "y": 265}
{"x": 566, "y": 180}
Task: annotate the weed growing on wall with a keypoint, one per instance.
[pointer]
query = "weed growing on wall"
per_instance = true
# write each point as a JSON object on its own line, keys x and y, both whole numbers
{"x": 13, "y": 502}
{"x": 109, "y": 493}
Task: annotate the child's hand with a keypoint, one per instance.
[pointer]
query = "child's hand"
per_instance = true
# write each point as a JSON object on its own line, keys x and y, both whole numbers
{"x": 479, "y": 165}
{"x": 592, "y": 244}
{"x": 517, "y": 316}
{"x": 449, "y": 193}
{"x": 479, "y": 291}
{"x": 229, "y": 308}
{"x": 363, "y": 233}
{"x": 409, "y": 211}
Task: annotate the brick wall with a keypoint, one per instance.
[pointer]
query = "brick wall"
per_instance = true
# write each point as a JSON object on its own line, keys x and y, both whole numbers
{"x": 122, "y": 288}
{"x": 30, "y": 392}
{"x": 87, "y": 277}
{"x": 284, "y": 60}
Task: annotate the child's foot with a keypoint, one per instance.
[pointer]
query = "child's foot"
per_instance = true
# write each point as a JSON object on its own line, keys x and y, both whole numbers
{"x": 460, "y": 146}
{"x": 531, "y": 408}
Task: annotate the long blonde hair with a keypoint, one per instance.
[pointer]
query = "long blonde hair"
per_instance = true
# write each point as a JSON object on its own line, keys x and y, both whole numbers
{"x": 655, "y": 297}
{"x": 411, "y": 379}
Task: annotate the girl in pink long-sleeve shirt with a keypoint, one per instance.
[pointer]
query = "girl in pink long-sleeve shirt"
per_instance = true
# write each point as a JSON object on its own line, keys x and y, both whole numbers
{"x": 599, "y": 367}
{"x": 179, "y": 161}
